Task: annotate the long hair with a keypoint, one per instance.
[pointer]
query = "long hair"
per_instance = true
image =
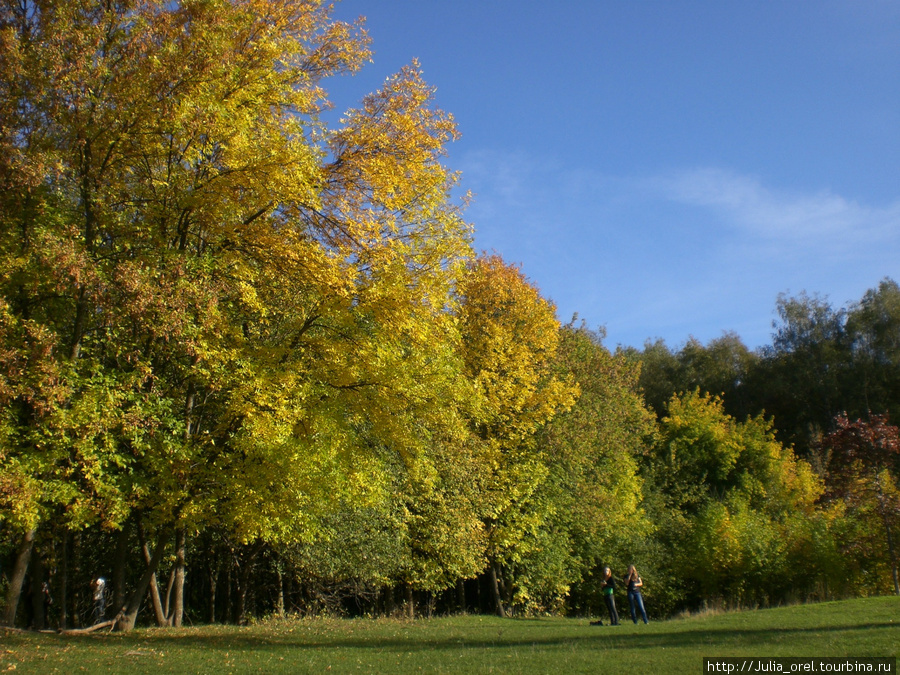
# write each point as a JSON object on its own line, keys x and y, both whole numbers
{"x": 632, "y": 573}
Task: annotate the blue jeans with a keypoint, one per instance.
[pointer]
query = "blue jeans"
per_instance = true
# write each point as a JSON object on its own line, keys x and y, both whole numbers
{"x": 635, "y": 603}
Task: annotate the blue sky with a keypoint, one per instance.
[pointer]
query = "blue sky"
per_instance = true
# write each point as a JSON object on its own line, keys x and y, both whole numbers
{"x": 666, "y": 168}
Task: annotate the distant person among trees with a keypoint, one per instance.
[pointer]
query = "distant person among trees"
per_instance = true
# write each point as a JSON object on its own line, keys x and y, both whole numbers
{"x": 98, "y": 593}
{"x": 47, "y": 599}
{"x": 608, "y": 587}
{"x": 635, "y": 600}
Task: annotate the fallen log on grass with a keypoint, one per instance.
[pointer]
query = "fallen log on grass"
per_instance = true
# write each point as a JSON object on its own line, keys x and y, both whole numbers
{"x": 90, "y": 629}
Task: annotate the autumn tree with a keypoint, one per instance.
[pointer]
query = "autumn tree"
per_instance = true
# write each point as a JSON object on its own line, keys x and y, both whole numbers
{"x": 822, "y": 360}
{"x": 510, "y": 335}
{"x": 591, "y": 496}
{"x": 736, "y": 510}
{"x": 212, "y": 307}
{"x": 862, "y": 472}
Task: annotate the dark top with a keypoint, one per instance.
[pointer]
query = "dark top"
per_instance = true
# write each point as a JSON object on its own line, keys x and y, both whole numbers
{"x": 609, "y": 586}
{"x": 631, "y": 585}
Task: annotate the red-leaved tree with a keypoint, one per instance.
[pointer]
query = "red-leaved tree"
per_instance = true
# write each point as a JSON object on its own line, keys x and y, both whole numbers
{"x": 862, "y": 470}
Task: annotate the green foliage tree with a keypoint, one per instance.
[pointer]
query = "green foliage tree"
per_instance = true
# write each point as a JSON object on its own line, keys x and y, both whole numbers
{"x": 873, "y": 333}
{"x": 800, "y": 378}
{"x": 743, "y": 517}
{"x": 719, "y": 368}
{"x": 592, "y": 493}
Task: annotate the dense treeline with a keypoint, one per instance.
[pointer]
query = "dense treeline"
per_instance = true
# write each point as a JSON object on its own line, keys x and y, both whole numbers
{"x": 822, "y": 361}
{"x": 250, "y": 364}
{"x": 827, "y": 371}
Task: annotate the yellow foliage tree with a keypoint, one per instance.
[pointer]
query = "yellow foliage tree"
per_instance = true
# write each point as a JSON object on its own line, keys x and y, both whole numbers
{"x": 510, "y": 335}
{"x": 214, "y": 309}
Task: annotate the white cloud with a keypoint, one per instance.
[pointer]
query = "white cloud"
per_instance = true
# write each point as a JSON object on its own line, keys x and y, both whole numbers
{"x": 761, "y": 211}
{"x": 692, "y": 252}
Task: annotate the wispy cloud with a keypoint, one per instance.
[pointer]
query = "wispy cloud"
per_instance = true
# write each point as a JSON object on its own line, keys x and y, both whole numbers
{"x": 500, "y": 180}
{"x": 690, "y": 252}
{"x": 776, "y": 214}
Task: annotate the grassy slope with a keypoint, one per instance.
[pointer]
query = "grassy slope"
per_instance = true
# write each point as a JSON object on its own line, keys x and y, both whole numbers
{"x": 470, "y": 644}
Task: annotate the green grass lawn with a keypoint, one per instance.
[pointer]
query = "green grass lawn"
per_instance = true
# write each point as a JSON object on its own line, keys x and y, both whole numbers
{"x": 468, "y": 644}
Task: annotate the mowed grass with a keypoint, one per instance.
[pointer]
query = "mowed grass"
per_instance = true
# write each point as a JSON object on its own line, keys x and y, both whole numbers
{"x": 468, "y": 644}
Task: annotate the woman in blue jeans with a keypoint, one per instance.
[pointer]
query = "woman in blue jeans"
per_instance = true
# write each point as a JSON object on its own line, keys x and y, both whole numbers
{"x": 635, "y": 601}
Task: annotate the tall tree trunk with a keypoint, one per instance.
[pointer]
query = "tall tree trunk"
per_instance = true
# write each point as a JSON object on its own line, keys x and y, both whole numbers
{"x": 240, "y": 608}
{"x": 167, "y": 606}
{"x": 410, "y": 602}
{"x": 479, "y": 588}
{"x": 495, "y": 588}
{"x": 119, "y": 570}
{"x": 158, "y": 612}
{"x": 178, "y": 608}
{"x": 892, "y": 553}
{"x": 213, "y": 573}
{"x": 228, "y": 614}
{"x": 37, "y": 591}
{"x": 279, "y": 605}
{"x": 76, "y": 558}
{"x": 246, "y": 570}
{"x": 64, "y": 581}
{"x": 127, "y": 619}
{"x": 461, "y": 594}
{"x": 14, "y": 592}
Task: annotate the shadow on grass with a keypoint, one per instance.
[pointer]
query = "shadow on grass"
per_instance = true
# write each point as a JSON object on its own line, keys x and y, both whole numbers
{"x": 604, "y": 637}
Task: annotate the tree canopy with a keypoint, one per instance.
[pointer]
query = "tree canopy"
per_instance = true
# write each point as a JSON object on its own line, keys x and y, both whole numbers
{"x": 240, "y": 338}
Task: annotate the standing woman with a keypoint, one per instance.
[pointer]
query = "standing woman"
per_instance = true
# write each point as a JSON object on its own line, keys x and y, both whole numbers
{"x": 609, "y": 588}
{"x": 635, "y": 600}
